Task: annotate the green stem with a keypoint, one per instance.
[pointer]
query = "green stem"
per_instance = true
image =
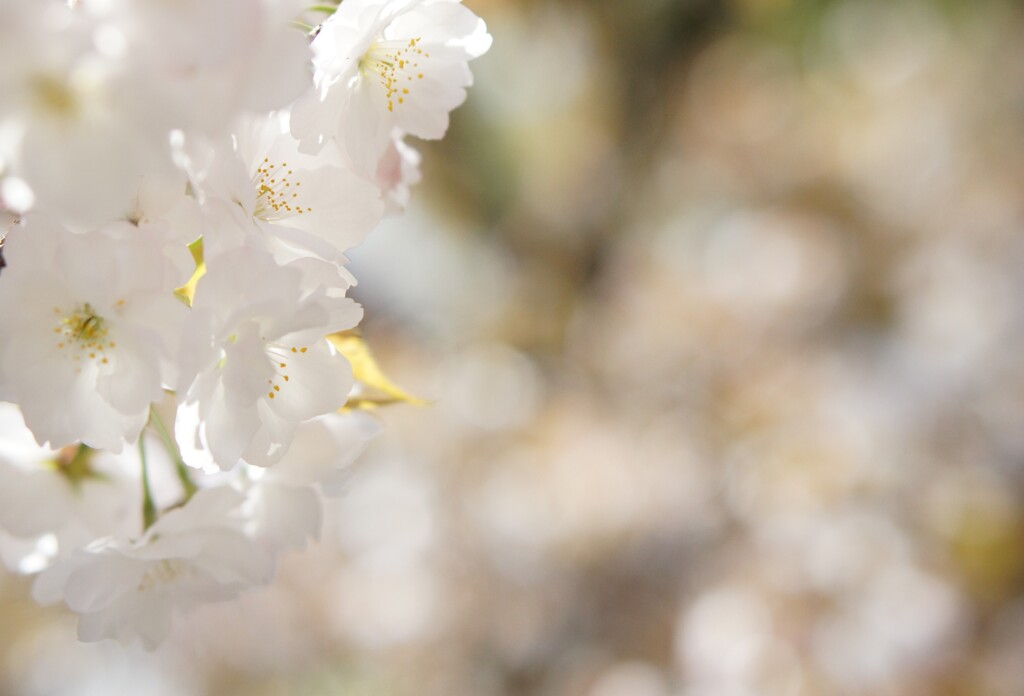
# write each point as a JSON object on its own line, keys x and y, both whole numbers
{"x": 172, "y": 449}
{"x": 301, "y": 25}
{"x": 326, "y": 9}
{"x": 148, "y": 507}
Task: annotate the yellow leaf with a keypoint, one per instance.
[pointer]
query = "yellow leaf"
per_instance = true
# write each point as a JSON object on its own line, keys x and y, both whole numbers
{"x": 188, "y": 291}
{"x": 381, "y": 391}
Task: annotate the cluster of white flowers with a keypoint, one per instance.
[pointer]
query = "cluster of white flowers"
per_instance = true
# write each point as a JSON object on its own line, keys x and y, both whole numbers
{"x": 179, "y": 183}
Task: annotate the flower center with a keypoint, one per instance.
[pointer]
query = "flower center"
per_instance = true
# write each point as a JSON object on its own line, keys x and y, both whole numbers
{"x": 83, "y": 332}
{"x": 55, "y": 97}
{"x": 165, "y": 572}
{"x": 277, "y": 195}
{"x": 396, "y": 65}
{"x": 281, "y": 356}
{"x": 74, "y": 463}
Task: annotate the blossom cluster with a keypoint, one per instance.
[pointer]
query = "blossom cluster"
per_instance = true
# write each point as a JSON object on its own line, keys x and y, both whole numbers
{"x": 179, "y": 183}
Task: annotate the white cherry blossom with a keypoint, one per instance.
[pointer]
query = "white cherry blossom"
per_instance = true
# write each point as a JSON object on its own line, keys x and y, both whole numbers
{"x": 88, "y": 493}
{"x": 89, "y": 322}
{"x": 259, "y": 361}
{"x": 231, "y": 56}
{"x": 316, "y": 204}
{"x": 284, "y": 502}
{"x": 385, "y": 64}
{"x": 129, "y": 590}
{"x": 78, "y": 127}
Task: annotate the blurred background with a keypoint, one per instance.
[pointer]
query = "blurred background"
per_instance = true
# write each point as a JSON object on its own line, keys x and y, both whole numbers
{"x": 718, "y": 305}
